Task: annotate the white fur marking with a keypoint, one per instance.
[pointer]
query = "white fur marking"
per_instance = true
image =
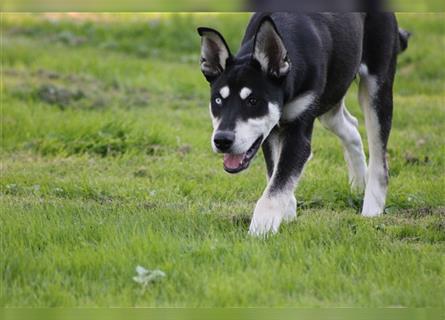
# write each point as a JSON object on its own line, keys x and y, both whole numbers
{"x": 296, "y": 107}
{"x": 244, "y": 93}
{"x": 215, "y": 121}
{"x": 270, "y": 211}
{"x": 345, "y": 126}
{"x": 363, "y": 70}
{"x": 375, "y": 192}
{"x": 246, "y": 132}
{"x": 224, "y": 92}
{"x": 275, "y": 148}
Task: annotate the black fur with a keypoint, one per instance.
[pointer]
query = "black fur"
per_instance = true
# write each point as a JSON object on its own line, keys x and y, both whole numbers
{"x": 325, "y": 52}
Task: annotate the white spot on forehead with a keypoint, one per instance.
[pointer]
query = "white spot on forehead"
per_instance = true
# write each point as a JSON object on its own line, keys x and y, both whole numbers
{"x": 224, "y": 92}
{"x": 245, "y": 92}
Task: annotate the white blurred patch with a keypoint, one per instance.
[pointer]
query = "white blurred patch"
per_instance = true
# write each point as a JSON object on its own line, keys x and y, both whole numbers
{"x": 244, "y": 93}
{"x": 297, "y": 106}
{"x": 224, "y": 92}
{"x": 145, "y": 277}
{"x": 363, "y": 70}
{"x": 271, "y": 211}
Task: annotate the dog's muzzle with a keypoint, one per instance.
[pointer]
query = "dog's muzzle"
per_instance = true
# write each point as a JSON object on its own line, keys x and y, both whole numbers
{"x": 234, "y": 163}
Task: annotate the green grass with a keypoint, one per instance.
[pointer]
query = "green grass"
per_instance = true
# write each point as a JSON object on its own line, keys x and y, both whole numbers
{"x": 106, "y": 165}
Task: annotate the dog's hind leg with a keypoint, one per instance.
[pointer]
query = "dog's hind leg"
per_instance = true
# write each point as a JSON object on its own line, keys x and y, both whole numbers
{"x": 376, "y": 99}
{"x": 288, "y": 152}
{"x": 345, "y": 126}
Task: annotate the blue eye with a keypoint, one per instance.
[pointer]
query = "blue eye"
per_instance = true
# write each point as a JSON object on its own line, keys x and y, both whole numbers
{"x": 218, "y": 101}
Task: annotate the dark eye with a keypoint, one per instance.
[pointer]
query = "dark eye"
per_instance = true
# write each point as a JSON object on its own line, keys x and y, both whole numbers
{"x": 251, "y": 101}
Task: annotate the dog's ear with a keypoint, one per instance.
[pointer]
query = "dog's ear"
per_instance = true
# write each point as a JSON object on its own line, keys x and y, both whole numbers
{"x": 215, "y": 54}
{"x": 269, "y": 50}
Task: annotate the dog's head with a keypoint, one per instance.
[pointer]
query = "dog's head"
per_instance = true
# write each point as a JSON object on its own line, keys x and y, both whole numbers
{"x": 246, "y": 92}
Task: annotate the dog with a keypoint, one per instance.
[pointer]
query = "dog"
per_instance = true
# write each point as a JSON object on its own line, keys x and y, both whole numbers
{"x": 291, "y": 69}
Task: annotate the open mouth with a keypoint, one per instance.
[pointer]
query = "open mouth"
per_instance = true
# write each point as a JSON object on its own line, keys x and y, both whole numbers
{"x": 234, "y": 163}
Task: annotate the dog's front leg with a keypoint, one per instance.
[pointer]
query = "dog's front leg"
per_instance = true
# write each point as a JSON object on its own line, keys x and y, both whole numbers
{"x": 290, "y": 149}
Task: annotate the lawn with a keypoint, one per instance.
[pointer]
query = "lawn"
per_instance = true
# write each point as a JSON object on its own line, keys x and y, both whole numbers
{"x": 106, "y": 165}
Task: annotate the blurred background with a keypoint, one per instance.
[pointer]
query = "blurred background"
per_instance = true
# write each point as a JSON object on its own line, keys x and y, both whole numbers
{"x": 221, "y": 6}
{"x": 140, "y": 64}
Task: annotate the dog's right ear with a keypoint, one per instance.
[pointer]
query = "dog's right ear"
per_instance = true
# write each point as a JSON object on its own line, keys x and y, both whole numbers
{"x": 215, "y": 54}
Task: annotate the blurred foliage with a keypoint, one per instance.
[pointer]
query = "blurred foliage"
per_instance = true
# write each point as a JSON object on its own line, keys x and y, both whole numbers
{"x": 222, "y": 6}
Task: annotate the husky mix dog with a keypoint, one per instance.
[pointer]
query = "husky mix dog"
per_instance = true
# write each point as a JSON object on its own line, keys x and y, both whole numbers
{"x": 291, "y": 69}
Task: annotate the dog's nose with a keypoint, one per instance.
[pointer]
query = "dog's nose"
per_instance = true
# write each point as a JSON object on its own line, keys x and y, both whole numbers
{"x": 223, "y": 140}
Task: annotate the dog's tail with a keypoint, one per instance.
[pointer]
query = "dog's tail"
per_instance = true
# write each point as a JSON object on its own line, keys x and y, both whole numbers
{"x": 403, "y": 40}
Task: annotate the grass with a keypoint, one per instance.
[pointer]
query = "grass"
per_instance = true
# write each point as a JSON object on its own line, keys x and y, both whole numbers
{"x": 106, "y": 165}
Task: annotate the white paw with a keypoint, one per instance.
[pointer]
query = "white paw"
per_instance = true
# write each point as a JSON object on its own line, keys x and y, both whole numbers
{"x": 371, "y": 208}
{"x": 270, "y": 212}
{"x": 374, "y": 202}
{"x": 370, "y": 213}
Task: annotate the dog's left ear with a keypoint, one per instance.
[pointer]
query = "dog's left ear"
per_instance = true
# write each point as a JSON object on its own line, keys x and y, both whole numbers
{"x": 269, "y": 50}
{"x": 215, "y": 53}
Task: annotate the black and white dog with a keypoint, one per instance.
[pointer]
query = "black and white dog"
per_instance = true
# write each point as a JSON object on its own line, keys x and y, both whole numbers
{"x": 291, "y": 69}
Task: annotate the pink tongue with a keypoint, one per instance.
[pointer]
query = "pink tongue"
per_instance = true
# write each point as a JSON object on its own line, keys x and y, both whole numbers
{"x": 233, "y": 161}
